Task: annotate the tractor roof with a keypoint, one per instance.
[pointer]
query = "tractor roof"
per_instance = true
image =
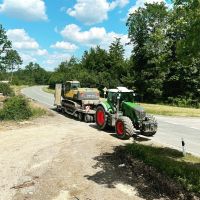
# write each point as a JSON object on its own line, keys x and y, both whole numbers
{"x": 72, "y": 82}
{"x": 120, "y": 89}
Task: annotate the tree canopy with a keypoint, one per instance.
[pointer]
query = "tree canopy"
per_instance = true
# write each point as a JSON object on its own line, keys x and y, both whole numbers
{"x": 164, "y": 65}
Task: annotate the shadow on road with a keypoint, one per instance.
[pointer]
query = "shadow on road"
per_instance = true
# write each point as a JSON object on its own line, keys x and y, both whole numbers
{"x": 116, "y": 169}
{"x": 149, "y": 183}
{"x": 111, "y": 131}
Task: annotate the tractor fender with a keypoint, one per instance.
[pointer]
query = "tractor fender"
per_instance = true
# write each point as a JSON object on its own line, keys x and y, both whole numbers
{"x": 104, "y": 106}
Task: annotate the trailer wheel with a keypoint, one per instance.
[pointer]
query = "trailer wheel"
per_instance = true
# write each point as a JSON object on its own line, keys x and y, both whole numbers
{"x": 86, "y": 118}
{"x": 58, "y": 109}
{"x": 91, "y": 118}
{"x": 80, "y": 116}
{"x": 124, "y": 127}
{"x": 100, "y": 117}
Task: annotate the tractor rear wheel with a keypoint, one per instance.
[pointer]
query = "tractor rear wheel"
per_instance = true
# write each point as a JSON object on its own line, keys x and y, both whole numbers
{"x": 124, "y": 127}
{"x": 100, "y": 117}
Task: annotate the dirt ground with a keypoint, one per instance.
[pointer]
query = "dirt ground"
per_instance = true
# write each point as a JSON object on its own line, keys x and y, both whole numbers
{"x": 59, "y": 158}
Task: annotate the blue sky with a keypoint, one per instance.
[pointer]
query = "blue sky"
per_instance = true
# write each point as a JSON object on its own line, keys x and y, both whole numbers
{"x": 48, "y": 32}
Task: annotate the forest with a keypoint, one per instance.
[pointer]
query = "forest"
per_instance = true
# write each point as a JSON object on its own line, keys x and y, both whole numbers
{"x": 164, "y": 66}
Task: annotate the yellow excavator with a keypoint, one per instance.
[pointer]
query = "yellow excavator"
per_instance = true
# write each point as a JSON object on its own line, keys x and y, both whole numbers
{"x": 79, "y": 102}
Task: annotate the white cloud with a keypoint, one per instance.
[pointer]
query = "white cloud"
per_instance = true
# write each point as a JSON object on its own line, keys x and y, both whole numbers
{"x": 27, "y": 58}
{"x": 21, "y": 40}
{"x": 90, "y": 11}
{"x": 94, "y": 36}
{"x": 54, "y": 59}
{"x": 122, "y": 3}
{"x": 30, "y": 51}
{"x": 94, "y": 11}
{"x": 28, "y": 47}
{"x": 29, "y": 10}
{"x": 119, "y": 3}
{"x": 41, "y": 52}
{"x": 64, "y": 46}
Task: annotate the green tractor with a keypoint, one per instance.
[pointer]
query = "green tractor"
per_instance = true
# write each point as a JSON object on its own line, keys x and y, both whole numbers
{"x": 121, "y": 112}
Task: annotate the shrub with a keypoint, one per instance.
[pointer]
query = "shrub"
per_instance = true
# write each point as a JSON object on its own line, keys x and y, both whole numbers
{"x": 6, "y": 89}
{"x": 183, "y": 102}
{"x": 16, "y": 108}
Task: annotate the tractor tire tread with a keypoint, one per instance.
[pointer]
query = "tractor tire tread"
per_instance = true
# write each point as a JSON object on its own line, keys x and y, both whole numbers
{"x": 128, "y": 127}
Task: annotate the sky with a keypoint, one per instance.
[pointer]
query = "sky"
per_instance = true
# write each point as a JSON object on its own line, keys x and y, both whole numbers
{"x": 51, "y": 31}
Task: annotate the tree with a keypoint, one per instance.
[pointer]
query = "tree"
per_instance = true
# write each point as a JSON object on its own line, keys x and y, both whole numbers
{"x": 147, "y": 32}
{"x": 116, "y": 59}
{"x": 95, "y": 60}
{"x": 182, "y": 80}
{"x": 13, "y": 60}
{"x": 5, "y": 45}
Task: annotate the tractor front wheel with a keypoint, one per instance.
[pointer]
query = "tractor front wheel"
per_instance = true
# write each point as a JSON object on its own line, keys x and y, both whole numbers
{"x": 124, "y": 127}
{"x": 100, "y": 117}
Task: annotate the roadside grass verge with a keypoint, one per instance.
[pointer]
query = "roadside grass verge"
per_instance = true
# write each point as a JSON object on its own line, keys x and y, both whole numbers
{"x": 157, "y": 109}
{"x": 17, "y": 88}
{"x": 37, "y": 110}
{"x": 48, "y": 90}
{"x": 185, "y": 170}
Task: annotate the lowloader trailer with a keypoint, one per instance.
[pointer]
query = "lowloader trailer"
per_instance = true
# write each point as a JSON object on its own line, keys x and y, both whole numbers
{"x": 79, "y": 102}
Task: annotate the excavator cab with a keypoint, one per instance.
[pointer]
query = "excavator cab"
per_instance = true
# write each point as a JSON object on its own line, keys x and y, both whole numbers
{"x": 72, "y": 85}
{"x": 70, "y": 89}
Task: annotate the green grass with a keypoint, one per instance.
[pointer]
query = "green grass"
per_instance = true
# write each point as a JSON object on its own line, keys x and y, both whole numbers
{"x": 170, "y": 110}
{"x": 46, "y": 89}
{"x": 38, "y": 112}
{"x": 184, "y": 170}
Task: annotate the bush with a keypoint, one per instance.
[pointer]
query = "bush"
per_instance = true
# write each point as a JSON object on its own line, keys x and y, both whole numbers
{"x": 6, "y": 89}
{"x": 183, "y": 102}
{"x": 16, "y": 108}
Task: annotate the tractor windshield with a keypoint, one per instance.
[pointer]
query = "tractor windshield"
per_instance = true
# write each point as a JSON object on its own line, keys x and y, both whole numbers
{"x": 127, "y": 96}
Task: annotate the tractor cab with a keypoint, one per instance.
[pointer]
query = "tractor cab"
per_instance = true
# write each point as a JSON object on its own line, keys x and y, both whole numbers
{"x": 119, "y": 95}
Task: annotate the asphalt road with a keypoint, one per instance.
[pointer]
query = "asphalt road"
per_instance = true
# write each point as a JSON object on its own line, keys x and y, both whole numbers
{"x": 170, "y": 132}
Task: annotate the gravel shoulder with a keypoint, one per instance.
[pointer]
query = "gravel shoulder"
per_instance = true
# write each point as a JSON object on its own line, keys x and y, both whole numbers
{"x": 54, "y": 158}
